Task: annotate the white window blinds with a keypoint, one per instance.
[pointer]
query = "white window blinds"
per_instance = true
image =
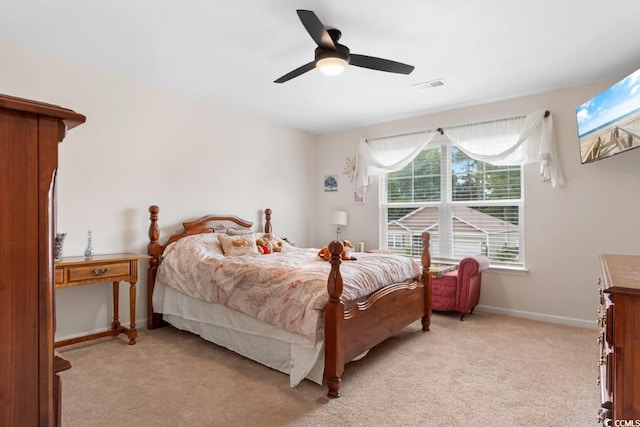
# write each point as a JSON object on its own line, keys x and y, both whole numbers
{"x": 468, "y": 206}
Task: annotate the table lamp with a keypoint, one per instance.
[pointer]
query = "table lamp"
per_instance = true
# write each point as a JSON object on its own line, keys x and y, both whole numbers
{"x": 339, "y": 218}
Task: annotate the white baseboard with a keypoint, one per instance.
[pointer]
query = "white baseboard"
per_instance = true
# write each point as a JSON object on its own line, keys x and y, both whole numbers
{"x": 568, "y": 321}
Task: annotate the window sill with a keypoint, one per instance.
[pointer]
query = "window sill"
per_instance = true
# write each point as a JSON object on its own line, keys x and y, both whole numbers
{"x": 515, "y": 271}
{"x": 508, "y": 270}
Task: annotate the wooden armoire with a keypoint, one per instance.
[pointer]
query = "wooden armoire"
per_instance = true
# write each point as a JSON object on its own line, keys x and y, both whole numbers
{"x": 29, "y": 135}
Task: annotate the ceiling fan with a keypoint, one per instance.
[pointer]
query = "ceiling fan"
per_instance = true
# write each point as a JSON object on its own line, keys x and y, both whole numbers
{"x": 332, "y": 57}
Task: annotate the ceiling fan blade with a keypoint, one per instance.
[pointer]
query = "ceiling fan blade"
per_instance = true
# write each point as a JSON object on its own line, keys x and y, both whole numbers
{"x": 316, "y": 29}
{"x": 295, "y": 73}
{"x": 380, "y": 64}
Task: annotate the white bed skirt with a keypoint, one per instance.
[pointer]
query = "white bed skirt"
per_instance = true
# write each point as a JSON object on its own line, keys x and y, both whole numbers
{"x": 252, "y": 338}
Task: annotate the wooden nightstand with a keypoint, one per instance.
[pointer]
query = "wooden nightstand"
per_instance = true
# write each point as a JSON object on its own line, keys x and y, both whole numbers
{"x": 78, "y": 271}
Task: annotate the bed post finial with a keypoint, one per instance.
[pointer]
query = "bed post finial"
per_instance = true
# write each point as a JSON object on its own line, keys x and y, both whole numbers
{"x": 154, "y": 231}
{"x": 426, "y": 279}
{"x": 267, "y": 221}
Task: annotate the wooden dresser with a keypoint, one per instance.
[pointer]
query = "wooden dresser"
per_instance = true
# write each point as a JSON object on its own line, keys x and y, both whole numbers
{"x": 29, "y": 136}
{"x": 619, "y": 339}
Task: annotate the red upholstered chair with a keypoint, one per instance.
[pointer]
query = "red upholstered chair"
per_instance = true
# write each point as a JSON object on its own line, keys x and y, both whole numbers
{"x": 459, "y": 290}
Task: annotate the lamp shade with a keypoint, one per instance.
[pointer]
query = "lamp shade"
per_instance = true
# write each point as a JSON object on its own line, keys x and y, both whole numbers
{"x": 339, "y": 218}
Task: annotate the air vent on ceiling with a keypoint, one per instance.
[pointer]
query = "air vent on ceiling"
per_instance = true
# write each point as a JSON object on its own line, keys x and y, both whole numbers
{"x": 430, "y": 84}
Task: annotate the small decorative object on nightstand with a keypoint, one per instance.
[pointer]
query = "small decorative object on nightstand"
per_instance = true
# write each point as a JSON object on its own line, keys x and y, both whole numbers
{"x": 57, "y": 245}
{"x": 88, "y": 253}
{"x": 79, "y": 271}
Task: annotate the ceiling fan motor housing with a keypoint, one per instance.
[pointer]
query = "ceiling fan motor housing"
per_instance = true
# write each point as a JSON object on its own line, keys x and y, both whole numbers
{"x": 341, "y": 51}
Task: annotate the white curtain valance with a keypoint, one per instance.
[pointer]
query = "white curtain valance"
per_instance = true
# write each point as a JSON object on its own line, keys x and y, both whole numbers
{"x": 388, "y": 155}
{"x": 515, "y": 141}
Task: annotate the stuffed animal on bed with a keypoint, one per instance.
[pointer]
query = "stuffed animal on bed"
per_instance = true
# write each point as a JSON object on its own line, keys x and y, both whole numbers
{"x": 276, "y": 245}
{"x": 264, "y": 246}
{"x": 347, "y": 246}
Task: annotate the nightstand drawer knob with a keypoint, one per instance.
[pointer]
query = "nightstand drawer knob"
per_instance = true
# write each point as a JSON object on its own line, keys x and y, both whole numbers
{"x": 100, "y": 271}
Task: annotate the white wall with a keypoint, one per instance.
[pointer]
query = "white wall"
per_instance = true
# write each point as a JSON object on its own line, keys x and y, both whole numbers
{"x": 142, "y": 146}
{"x": 566, "y": 227}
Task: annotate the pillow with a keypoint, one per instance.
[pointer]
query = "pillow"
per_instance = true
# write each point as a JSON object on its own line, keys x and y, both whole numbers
{"x": 212, "y": 243}
{"x": 231, "y": 231}
{"x": 209, "y": 241}
{"x": 243, "y": 244}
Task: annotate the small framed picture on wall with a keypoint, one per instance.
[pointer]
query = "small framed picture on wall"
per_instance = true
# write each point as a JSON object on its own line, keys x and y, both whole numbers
{"x": 358, "y": 197}
{"x": 331, "y": 183}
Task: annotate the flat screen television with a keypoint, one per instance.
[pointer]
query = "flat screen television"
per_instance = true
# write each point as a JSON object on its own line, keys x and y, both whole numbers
{"x": 609, "y": 123}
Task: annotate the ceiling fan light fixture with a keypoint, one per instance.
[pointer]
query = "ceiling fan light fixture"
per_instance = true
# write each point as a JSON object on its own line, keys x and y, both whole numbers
{"x": 331, "y": 65}
{"x": 331, "y": 57}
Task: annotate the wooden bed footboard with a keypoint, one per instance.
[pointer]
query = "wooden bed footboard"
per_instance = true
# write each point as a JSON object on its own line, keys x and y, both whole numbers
{"x": 349, "y": 331}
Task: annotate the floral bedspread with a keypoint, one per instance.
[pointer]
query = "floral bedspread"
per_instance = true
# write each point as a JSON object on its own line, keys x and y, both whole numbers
{"x": 287, "y": 289}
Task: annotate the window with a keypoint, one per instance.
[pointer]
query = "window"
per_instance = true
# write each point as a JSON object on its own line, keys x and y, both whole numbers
{"x": 469, "y": 207}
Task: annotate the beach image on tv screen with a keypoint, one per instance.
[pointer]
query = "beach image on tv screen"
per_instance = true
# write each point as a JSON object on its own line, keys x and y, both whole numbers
{"x": 609, "y": 123}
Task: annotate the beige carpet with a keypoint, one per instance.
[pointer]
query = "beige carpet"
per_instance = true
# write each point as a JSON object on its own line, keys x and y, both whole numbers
{"x": 488, "y": 370}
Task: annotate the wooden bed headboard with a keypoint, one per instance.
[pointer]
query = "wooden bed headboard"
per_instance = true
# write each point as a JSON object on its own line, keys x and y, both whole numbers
{"x": 206, "y": 224}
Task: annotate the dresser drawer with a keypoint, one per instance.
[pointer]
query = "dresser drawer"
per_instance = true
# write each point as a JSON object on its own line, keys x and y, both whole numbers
{"x": 108, "y": 269}
{"x": 610, "y": 374}
{"x": 609, "y": 326}
{"x": 102, "y": 271}
{"x": 59, "y": 276}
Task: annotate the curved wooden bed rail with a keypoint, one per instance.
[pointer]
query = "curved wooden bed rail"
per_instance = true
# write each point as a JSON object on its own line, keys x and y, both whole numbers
{"x": 349, "y": 331}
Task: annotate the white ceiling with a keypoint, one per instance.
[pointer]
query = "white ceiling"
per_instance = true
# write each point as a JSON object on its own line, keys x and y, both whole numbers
{"x": 229, "y": 52}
